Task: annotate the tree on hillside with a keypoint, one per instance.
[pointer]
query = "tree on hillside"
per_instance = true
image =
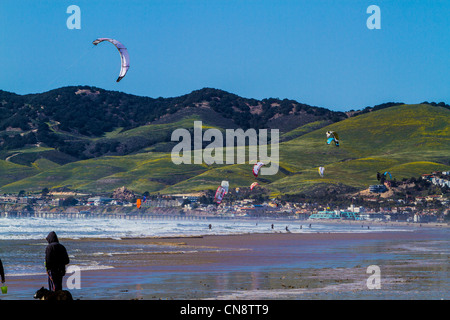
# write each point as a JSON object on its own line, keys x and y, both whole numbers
{"x": 70, "y": 201}
{"x": 44, "y": 192}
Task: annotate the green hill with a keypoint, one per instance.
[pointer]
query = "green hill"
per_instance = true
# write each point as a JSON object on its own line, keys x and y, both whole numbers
{"x": 399, "y": 139}
{"x": 407, "y": 140}
{"x": 85, "y": 122}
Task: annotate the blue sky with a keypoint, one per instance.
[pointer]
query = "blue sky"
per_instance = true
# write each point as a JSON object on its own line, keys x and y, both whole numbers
{"x": 316, "y": 52}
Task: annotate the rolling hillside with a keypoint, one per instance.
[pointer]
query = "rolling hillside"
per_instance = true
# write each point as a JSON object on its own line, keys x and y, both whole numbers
{"x": 406, "y": 140}
{"x": 78, "y": 123}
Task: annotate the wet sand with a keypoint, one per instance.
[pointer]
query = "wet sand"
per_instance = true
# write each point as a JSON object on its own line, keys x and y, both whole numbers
{"x": 260, "y": 266}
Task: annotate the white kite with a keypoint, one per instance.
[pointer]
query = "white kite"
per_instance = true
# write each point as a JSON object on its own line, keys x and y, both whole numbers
{"x": 123, "y": 55}
{"x": 321, "y": 170}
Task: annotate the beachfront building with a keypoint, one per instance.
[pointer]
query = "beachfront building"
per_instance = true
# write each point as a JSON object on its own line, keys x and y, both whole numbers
{"x": 329, "y": 215}
{"x": 372, "y": 216}
{"x": 425, "y": 218}
{"x": 377, "y": 188}
{"x": 356, "y": 209}
{"x": 98, "y": 201}
{"x": 58, "y": 202}
{"x": 335, "y": 215}
{"x": 26, "y": 200}
{"x": 164, "y": 202}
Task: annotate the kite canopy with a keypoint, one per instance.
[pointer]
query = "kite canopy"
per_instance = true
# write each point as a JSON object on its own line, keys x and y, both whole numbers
{"x": 254, "y": 184}
{"x": 333, "y": 136}
{"x": 321, "y": 170}
{"x": 123, "y": 55}
{"x": 382, "y": 177}
{"x": 225, "y": 185}
{"x": 220, "y": 193}
{"x": 256, "y": 168}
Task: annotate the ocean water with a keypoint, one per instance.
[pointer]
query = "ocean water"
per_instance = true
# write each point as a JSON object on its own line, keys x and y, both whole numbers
{"x": 22, "y": 240}
{"x": 74, "y": 228}
{"x": 415, "y": 267}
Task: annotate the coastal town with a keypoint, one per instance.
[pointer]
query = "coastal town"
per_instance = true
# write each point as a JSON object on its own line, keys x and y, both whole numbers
{"x": 377, "y": 203}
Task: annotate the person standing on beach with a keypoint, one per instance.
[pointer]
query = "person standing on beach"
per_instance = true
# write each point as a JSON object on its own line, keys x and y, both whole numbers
{"x": 2, "y": 272}
{"x": 56, "y": 259}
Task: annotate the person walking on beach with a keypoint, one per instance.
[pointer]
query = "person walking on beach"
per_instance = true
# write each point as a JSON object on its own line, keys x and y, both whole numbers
{"x": 2, "y": 272}
{"x": 56, "y": 259}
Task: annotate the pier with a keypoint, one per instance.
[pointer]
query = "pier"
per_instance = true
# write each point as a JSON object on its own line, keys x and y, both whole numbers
{"x": 90, "y": 215}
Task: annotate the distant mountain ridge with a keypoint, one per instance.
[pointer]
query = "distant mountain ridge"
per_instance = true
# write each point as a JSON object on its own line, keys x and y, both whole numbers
{"x": 117, "y": 109}
{"x": 68, "y": 118}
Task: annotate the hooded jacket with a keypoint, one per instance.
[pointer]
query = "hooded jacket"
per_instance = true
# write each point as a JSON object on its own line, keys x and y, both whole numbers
{"x": 56, "y": 256}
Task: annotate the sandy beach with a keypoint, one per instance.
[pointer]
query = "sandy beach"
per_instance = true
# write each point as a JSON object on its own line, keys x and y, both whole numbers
{"x": 414, "y": 265}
